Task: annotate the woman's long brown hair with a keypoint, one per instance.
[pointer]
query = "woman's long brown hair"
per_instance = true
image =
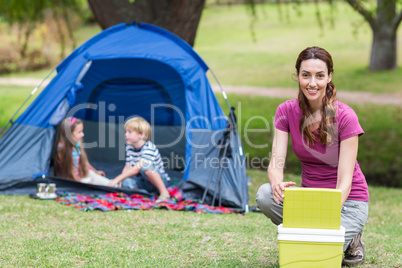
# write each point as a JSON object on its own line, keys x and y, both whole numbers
{"x": 63, "y": 159}
{"x": 326, "y": 129}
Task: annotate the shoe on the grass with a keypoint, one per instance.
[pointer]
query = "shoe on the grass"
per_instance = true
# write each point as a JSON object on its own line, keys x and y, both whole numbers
{"x": 355, "y": 254}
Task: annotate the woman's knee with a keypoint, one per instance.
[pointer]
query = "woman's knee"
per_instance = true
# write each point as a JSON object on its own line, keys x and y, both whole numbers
{"x": 267, "y": 205}
{"x": 264, "y": 194}
{"x": 353, "y": 217}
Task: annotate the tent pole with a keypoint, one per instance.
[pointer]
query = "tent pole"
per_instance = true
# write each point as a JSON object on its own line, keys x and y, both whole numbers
{"x": 224, "y": 96}
{"x": 230, "y": 112}
{"x": 22, "y": 105}
{"x": 234, "y": 128}
{"x": 225, "y": 141}
{"x": 219, "y": 178}
{"x": 211, "y": 174}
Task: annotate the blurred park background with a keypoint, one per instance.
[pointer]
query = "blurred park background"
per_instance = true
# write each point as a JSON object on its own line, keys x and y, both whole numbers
{"x": 245, "y": 43}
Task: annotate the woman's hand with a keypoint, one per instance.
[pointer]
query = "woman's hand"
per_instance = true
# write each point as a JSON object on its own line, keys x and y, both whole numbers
{"x": 278, "y": 188}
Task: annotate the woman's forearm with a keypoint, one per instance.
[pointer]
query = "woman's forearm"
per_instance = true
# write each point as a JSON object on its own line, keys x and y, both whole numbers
{"x": 345, "y": 186}
{"x": 275, "y": 175}
{"x": 346, "y": 166}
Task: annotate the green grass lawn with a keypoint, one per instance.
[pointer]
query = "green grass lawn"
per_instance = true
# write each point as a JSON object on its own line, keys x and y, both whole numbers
{"x": 11, "y": 98}
{"x": 37, "y": 233}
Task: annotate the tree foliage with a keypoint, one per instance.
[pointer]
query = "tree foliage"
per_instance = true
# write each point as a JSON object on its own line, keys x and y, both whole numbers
{"x": 28, "y": 14}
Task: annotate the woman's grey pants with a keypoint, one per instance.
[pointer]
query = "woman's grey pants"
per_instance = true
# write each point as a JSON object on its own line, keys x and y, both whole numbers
{"x": 353, "y": 215}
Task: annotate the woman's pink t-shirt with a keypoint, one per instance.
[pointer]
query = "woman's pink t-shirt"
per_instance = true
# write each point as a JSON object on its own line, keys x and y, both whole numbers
{"x": 320, "y": 162}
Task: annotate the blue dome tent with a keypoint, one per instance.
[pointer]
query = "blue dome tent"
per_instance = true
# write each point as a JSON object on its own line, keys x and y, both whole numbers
{"x": 130, "y": 70}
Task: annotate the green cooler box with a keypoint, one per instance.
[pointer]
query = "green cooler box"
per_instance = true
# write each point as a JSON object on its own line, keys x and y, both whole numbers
{"x": 310, "y": 248}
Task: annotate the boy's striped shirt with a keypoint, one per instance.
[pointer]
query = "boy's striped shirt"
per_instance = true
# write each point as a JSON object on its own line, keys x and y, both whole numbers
{"x": 148, "y": 153}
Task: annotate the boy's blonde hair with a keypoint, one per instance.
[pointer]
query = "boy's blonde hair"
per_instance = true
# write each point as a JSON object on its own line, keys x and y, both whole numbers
{"x": 140, "y": 125}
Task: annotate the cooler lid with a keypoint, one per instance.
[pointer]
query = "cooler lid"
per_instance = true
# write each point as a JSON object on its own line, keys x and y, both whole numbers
{"x": 311, "y": 235}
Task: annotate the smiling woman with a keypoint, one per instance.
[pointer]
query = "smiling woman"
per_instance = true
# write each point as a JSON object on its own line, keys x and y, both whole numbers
{"x": 313, "y": 80}
{"x": 317, "y": 93}
{"x": 324, "y": 135}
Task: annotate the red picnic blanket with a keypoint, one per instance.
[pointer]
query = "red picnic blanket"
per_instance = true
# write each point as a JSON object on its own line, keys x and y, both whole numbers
{"x": 120, "y": 201}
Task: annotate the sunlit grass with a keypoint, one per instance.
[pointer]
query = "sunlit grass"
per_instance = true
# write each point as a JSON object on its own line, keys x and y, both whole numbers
{"x": 42, "y": 233}
{"x": 12, "y": 99}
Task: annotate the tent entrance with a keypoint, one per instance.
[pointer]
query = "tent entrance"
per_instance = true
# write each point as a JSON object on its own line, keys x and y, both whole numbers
{"x": 105, "y": 143}
{"x": 126, "y": 87}
{"x": 114, "y": 101}
{"x": 127, "y": 97}
{"x": 114, "y": 90}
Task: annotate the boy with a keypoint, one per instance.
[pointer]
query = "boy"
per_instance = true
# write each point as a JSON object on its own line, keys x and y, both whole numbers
{"x": 144, "y": 166}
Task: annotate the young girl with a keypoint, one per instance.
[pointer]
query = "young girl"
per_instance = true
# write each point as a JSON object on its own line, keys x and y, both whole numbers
{"x": 324, "y": 135}
{"x": 70, "y": 160}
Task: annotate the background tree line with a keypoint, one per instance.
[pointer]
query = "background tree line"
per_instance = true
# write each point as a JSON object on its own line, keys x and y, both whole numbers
{"x": 182, "y": 18}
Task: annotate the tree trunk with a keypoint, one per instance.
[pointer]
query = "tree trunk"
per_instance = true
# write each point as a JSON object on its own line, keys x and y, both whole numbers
{"x": 180, "y": 17}
{"x": 384, "y": 49}
{"x": 384, "y": 25}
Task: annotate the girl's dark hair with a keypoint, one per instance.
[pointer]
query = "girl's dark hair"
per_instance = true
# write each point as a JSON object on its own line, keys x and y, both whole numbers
{"x": 63, "y": 157}
{"x": 326, "y": 129}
